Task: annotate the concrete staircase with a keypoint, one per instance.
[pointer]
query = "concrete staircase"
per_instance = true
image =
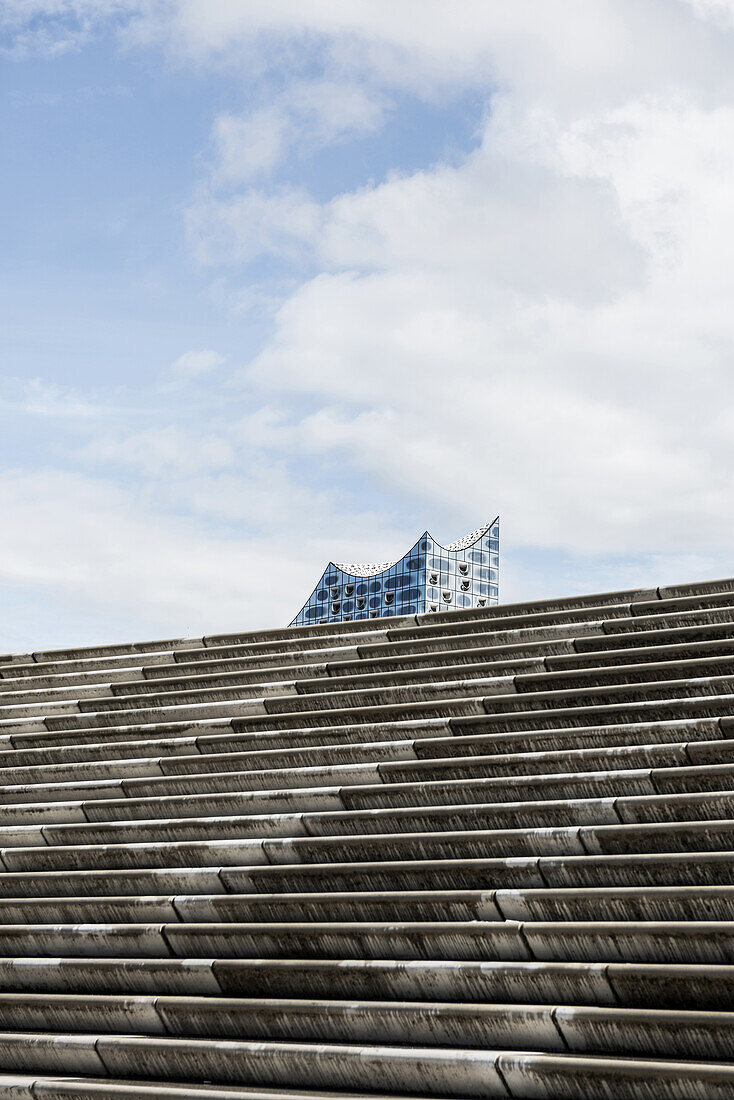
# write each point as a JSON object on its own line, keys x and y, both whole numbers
{"x": 474, "y": 854}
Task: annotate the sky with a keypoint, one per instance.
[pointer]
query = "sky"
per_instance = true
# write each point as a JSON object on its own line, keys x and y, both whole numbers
{"x": 287, "y": 281}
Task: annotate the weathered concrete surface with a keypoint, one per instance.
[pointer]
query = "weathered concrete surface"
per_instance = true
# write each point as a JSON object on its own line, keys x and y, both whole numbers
{"x": 453, "y": 855}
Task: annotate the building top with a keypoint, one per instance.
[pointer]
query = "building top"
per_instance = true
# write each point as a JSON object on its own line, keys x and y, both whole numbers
{"x": 370, "y": 569}
{"x": 429, "y": 577}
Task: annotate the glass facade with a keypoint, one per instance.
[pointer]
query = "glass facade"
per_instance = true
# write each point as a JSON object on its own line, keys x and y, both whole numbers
{"x": 430, "y": 577}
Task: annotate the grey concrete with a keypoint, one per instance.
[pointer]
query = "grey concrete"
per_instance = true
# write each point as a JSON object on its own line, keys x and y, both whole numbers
{"x": 578, "y": 1077}
{"x": 389, "y": 857}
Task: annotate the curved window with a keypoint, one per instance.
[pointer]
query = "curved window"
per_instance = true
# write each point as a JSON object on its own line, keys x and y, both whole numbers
{"x": 348, "y": 589}
{"x": 410, "y": 594}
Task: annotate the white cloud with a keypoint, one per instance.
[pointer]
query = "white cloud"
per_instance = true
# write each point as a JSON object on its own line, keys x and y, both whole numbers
{"x": 37, "y": 397}
{"x": 239, "y": 230}
{"x": 193, "y": 364}
{"x": 542, "y": 327}
{"x": 161, "y": 452}
{"x": 247, "y": 146}
{"x": 54, "y": 27}
{"x": 158, "y": 574}
{"x": 529, "y": 328}
{"x": 308, "y": 116}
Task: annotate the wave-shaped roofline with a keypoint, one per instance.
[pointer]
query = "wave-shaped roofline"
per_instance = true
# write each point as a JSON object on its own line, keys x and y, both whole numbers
{"x": 373, "y": 569}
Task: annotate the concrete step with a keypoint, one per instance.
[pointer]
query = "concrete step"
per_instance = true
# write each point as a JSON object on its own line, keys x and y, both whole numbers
{"x": 530, "y": 1075}
{"x": 474, "y": 843}
{"x": 630, "y": 985}
{"x": 223, "y": 735}
{"x": 35, "y": 1087}
{"x": 578, "y": 1029}
{"x": 668, "y": 942}
{"x": 581, "y": 1029}
{"x": 698, "y": 698}
{"x": 659, "y": 903}
{"x": 696, "y": 868}
{"x": 562, "y": 812}
{"x": 527, "y": 677}
{"x": 472, "y": 854}
{"x": 255, "y": 788}
{"x": 398, "y": 761}
{"x": 340, "y": 1066}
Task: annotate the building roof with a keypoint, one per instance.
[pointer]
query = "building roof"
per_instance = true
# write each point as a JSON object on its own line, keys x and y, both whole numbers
{"x": 370, "y": 569}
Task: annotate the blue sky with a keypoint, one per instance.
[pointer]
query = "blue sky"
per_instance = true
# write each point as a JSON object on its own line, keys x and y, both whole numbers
{"x": 288, "y": 281}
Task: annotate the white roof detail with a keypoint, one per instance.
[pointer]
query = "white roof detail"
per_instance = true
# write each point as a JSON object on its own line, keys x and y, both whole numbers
{"x": 468, "y": 540}
{"x": 370, "y": 569}
{"x": 365, "y": 569}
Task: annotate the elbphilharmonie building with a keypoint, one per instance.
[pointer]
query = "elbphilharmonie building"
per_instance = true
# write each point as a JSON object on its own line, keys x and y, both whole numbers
{"x": 430, "y": 577}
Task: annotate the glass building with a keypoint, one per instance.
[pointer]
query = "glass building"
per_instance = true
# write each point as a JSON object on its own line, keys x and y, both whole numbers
{"x": 430, "y": 577}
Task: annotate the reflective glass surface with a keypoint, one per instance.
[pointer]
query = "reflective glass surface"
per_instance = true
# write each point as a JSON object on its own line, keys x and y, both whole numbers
{"x": 430, "y": 577}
